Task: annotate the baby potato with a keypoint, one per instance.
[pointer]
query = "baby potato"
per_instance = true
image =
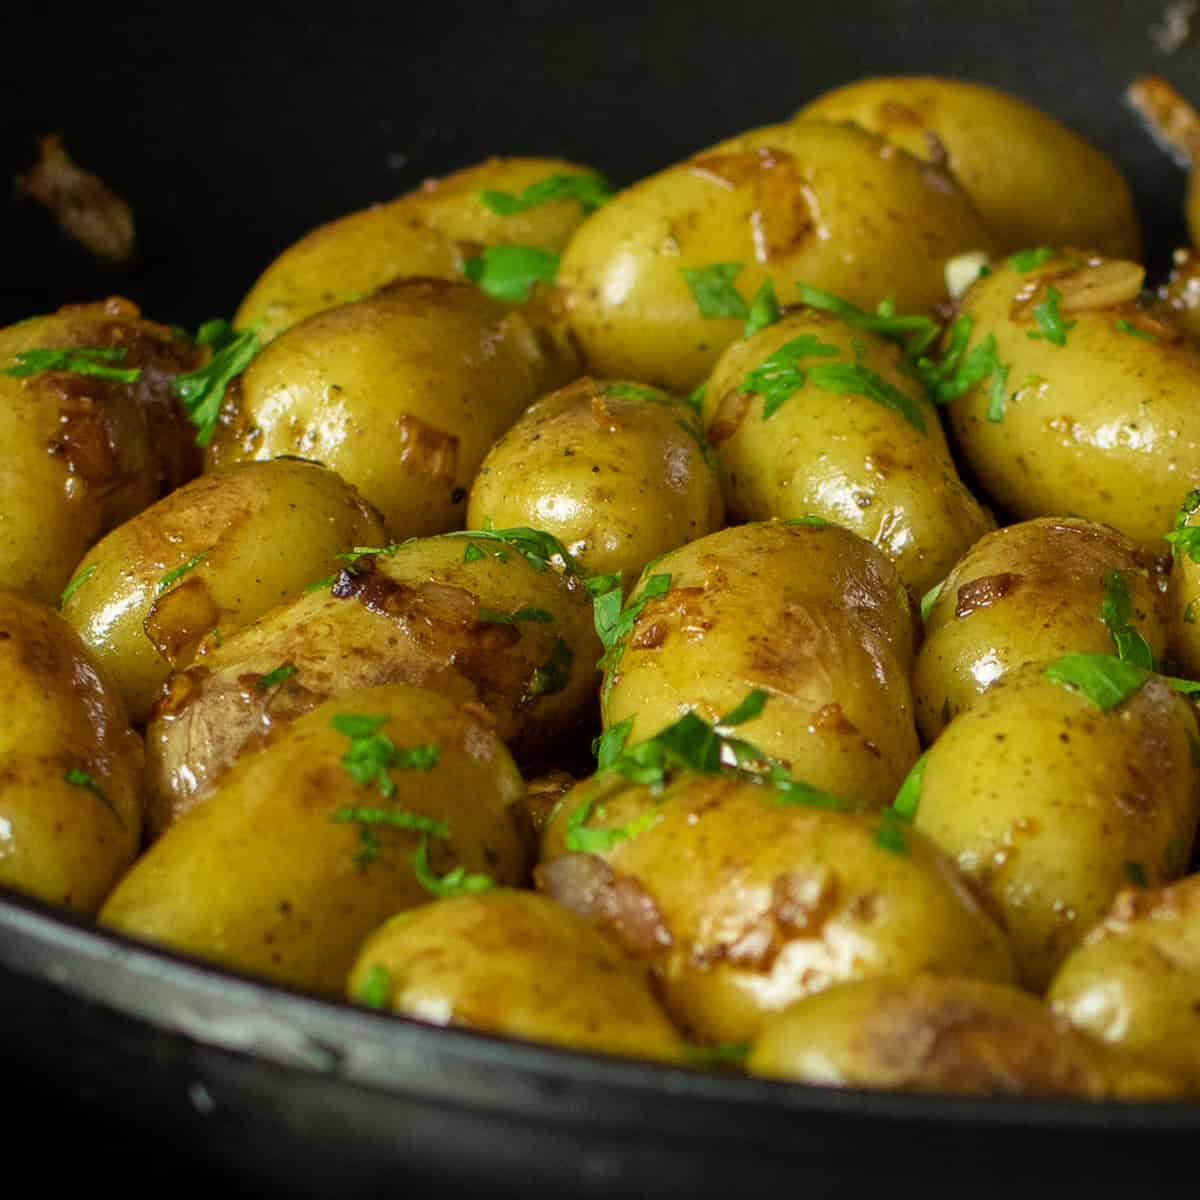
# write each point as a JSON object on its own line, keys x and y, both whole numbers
{"x": 1030, "y": 593}
{"x": 742, "y": 904}
{"x": 70, "y": 765}
{"x": 483, "y": 625}
{"x": 1033, "y": 180}
{"x": 514, "y": 963}
{"x": 937, "y": 1033}
{"x": 857, "y": 442}
{"x": 84, "y": 452}
{"x": 358, "y": 810}
{"x": 1134, "y": 982}
{"x": 1051, "y": 804}
{"x": 811, "y": 614}
{"x": 829, "y": 205}
{"x": 618, "y": 472}
{"x": 245, "y": 538}
{"x": 402, "y": 394}
{"x": 1092, "y": 408}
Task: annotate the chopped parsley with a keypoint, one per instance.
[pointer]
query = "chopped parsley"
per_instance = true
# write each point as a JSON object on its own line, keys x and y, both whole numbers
{"x": 811, "y": 520}
{"x": 456, "y": 882}
{"x": 853, "y": 379}
{"x": 890, "y": 832}
{"x": 724, "y": 1055}
{"x": 1051, "y": 327}
{"x": 1136, "y": 874}
{"x": 712, "y": 289}
{"x": 373, "y": 754}
{"x": 318, "y": 584}
{"x": 930, "y": 599}
{"x": 590, "y": 190}
{"x": 76, "y": 583}
{"x": 915, "y": 332}
{"x": 277, "y": 676}
{"x": 608, "y": 746}
{"x": 375, "y": 990}
{"x": 554, "y": 675}
{"x": 635, "y": 391}
{"x": 77, "y": 777}
{"x": 1123, "y": 326}
{"x": 472, "y": 553}
{"x": 83, "y": 360}
{"x": 389, "y": 551}
{"x": 522, "y": 614}
{"x": 707, "y": 453}
{"x": 1102, "y": 679}
{"x": 1030, "y": 260}
{"x": 539, "y": 549}
{"x": 202, "y": 391}
{"x": 173, "y": 576}
{"x": 509, "y": 272}
{"x": 614, "y": 621}
{"x": 961, "y": 370}
{"x": 695, "y": 399}
{"x": 764, "y": 309}
{"x": 779, "y": 376}
{"x": 908, "y": 798}
{"x": 1116, "y": 611}
{"x": 1185, "y": 538}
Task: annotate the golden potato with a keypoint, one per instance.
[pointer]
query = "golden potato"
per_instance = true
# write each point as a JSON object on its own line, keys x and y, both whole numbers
{"x": 813, "y": 615}
{"x": 1134, "y": 983}
{"x": 402, "y": 394}
{"x": 245, "y": 539}
{"x": 856, "y": 442}
{"x": 70, "y": 766}
{"x": 1090, "y": 407}
{"x": 84, "y": 452}
{"x": 483, "y": 625}
{"x": 1030, "y": 593}
{"x": 826, "y": 204}
{"x": 743, "y": 904}
{"x": 1033, "y": 180}
{"x": 618, "y": 472}
{"x": 514, "y": 963}
{"x": 359, "y": 809}
{"x": 931, "y": 1033}
{"x": 1051, "y": 804}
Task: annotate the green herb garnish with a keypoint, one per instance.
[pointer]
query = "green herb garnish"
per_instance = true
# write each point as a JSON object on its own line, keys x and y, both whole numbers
{"x": 372, "y": 754}
{"x": 634, "y": 391}
{"x": 915, "y": 333}
{"x": 1103, "y": 679}
{"x": 780, "y": 376}
{"x": 509, "y": 272}
{"x": 376, "y": 988}
{"x": 724, "y": 1055}
{"x": 202, "y": 391}
{"x": 172, "y": 577}
{"x": 271, "y": 678}
{"x": 555, "y": 674}
{"x": 590, "y": 190}
{"x": 472, "y": 553}
{"x": 930, "y": 599}
{"x": 853, "y": 379}
{"x": 539, "y": 549}
{"x": 318, "y": 584}
{"x": 908, "y": 798}
{"x": 1051, "y": 327}
{"x": 1185, "y": 538}
{"x": 389, "y": 551}
{"x": 890, "y": 833}
{"x": 1116, "y": 611}
{"x": 695, "y": 399}
{"x": 76, "y": 583}
{"x": 1123, "y": 326}
{"x": 456, "y": 882}
{"x": 522, "y": 614}
{"x": 82, "y": 360}
{"x": 764, "y": 309}
{"x": 614, "y": 621}
{"x": 1030, "y": 260}
{"x": 712, "y": 289}
{"x": 811, "y": 519}
{"x": 77, "y": 777}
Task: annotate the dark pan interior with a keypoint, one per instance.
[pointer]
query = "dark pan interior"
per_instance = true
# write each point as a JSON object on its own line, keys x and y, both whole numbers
{"x": 234, "y": 130}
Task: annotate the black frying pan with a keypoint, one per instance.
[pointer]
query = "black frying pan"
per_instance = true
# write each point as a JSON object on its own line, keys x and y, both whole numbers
{"x": 233, "y": 131}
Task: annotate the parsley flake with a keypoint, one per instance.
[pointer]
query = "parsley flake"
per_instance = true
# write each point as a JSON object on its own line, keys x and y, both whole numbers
{"x": 172, "y": 577}
{"x": 908, "y": 798}
{"x": 1185, "y": 538}
{"x": 890, "y": 832}
{"x": 914, "y": 332}
{"x": 456, "y": 882}
{"x": 712, "y": 289}
{"x": 764, "y": 309}
{"x": 1102, "y": 679}
{"x": 372, "y": 754}
{"x": 272, "y": 678}
{"x": 778, "y": 377}
{"x": 538, "y": 548}
{"x": 853, "y": 379}
{"x": 1116, "y": 611}
{"x": 522, "y": 614}
{"x": 375, "y": 990}
{"x": 77, "y": 777}
{"x": 614, "y": 620}
{"x": 472, "y": 553}
{"x": 509, "y": 272}
{"x": 930, "y": 599}
{"x": 76, "y": 583}
{"x": 1051, "y": 327}
{"x": 554, "y": 675}
{"x": 590, "y": 190}
{"x": 1029, "y": 260}
{"x": 202, "y": 391}
{"x": 811, "y": 520}
{"x": 1123, "y": 326}
{"x": 82, "y": 360}
{"x": 724, "y": 1055}
{"x": 635, "y": 391}
{"x": 695, "y": 399}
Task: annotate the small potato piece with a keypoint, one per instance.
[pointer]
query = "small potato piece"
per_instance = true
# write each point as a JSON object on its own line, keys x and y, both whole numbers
{"x": 813, "y": 615}
{"x": 829, "y": 205}
{"x": 82, "y": 453}
{"x": 1134, "y": 983}
{"x": 270, "y": 876}
{"x": 742, "y": 905}
{"x": 1029, "y": 593}
{"x": 1034, "y": 181}
{"x": 618, "y": 472}
{"x": 930, "y": 1033}
{"x": 489, "y": 629}
{"x": 1052, "y": 805}
{"x": 402, "y": 394}
{"x": 70, "y": 765}
{"x": 515, "y": 963}
{"x": 882, "y": 471}
{"x": 1105, "y": 426}
{"x": 257, "y": 533}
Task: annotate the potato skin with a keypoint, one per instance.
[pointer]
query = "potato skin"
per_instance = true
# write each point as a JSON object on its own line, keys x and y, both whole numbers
{"x": 265, "y": 531}
{"x": 816, "y": 617}
{"x": 402, "y": 394}
{"x": 411, "y": 616}
{"x": 263, "y": 879}
{"x": 1034, "y": 181}
{"x": 1048, "y": 804}
{"x": 617, "y": 475}
{"x": 930, "y": 1033}
{"x": 517, "y": 963}
{"x": 1134, "y": 982}
{"x": 1028, "y": 593}
{"x": 62, "y": 842}
{"x": 801, "y": 201}
{"x": 742, "y": 906}
{"x": 845, "y": 458}
{"x": 1105, "y": 427}
{"x": 84, "y": 454}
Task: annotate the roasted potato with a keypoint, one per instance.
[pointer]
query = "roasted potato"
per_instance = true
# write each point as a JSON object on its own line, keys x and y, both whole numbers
{"x": 215, "y": 554}
{"x": 70, "y": 765}
{"x": 336, "y": 825}
{"x": 84, "y": 449}
{"x": 514, "y": 963}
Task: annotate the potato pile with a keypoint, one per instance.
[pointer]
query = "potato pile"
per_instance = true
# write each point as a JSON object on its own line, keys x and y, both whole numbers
{"x": 747, "y": 620}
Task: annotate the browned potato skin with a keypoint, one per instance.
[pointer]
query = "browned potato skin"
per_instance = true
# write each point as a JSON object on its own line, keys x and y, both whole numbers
{"x": 929, "y": 1033}
{"x": 845, "y": 458}
{"x": 816, "y": 617}
{"x": 265, "y": 531}
{"x": 516, "y": 963}
{"x": 1134, "y": 983}
{"x": 1044, "y": 801}
{"x": 829, "y": 205}
{"x": 617, "y": 479}
{"x": 1034, "y": 181}
{"x": 1105, "y": 427}
{"x": 431, "y": 231}
{"x": 60, "y": 841}
{"x": 1180, "y": 296}
{"x": 263, "y": 879}
{"x": 1028, "y": 593}
{"x": 402, "y": 394}
{"x": 742, "y": 906}
{"x": 84, "y": 454}
{"x": 411, "y": 617}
